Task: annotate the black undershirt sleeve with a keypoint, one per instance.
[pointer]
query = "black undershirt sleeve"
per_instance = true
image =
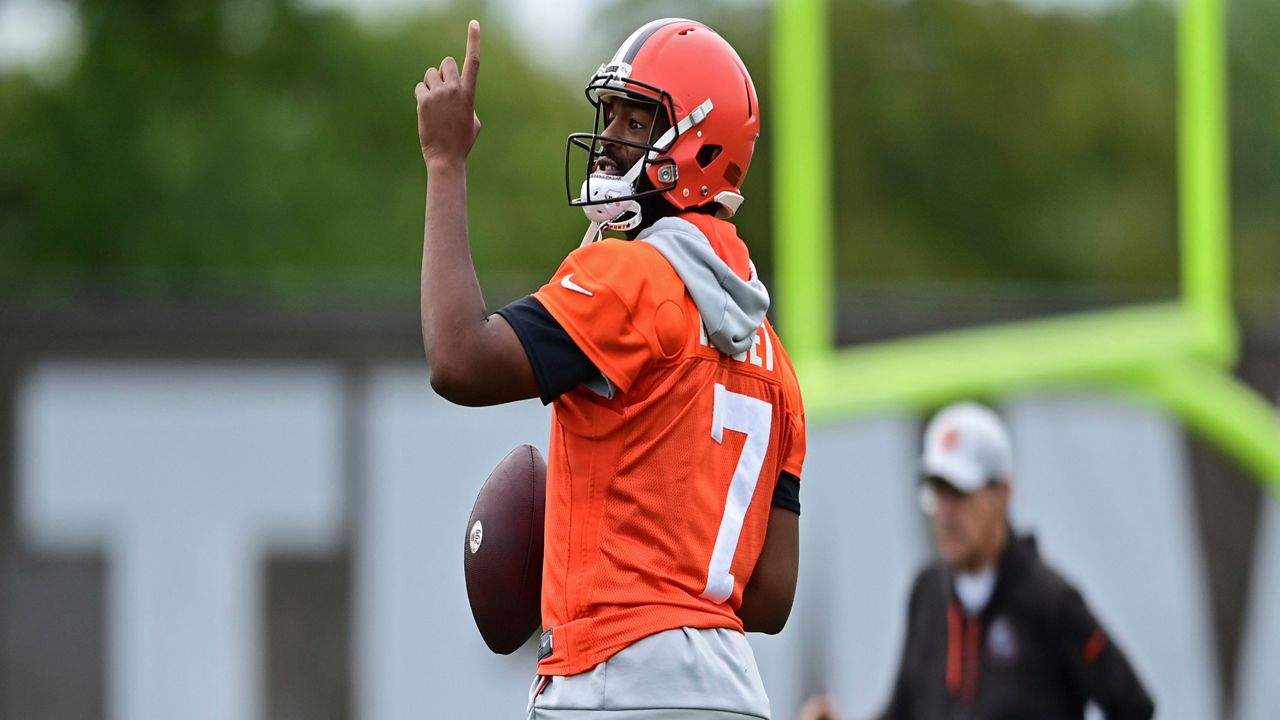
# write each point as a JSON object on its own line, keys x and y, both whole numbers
{"x": 559, "y": 365}
{"x": 786, "y": 494}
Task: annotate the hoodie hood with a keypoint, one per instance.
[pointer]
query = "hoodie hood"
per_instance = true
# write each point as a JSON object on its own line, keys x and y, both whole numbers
{"x": 732, "y": 309}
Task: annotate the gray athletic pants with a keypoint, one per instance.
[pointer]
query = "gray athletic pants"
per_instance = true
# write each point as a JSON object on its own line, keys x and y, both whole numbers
{"x": 699, "y": 674}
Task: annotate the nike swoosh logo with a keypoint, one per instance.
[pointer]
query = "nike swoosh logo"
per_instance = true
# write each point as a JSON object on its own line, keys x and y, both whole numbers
{"x": 568, "y": 283}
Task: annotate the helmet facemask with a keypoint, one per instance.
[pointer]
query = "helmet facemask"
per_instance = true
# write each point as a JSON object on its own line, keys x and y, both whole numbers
{"x": 611, "y": 202}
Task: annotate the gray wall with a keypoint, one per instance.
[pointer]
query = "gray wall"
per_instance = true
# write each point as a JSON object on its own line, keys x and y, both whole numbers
{"x": 279, "y": 535}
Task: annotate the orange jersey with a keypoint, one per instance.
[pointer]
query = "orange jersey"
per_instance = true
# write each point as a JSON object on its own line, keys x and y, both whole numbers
{"x": 658, "y": 498}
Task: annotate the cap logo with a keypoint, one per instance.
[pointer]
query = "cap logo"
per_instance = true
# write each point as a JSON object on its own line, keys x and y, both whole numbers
{"x": 950, "y": 439}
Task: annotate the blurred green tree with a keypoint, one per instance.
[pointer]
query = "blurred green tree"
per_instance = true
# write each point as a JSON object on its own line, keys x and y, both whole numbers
{"x": 1254, "y": 67}
{"x": 258, "y": 145}
{"x": 267, "y": 146}
{"x": 997, "y": 140}
{"x": 982, "y": 140}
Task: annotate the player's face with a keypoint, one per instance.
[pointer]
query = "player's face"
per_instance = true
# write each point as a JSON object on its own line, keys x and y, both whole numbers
{"x": 967, "y": 528}
{"x": 626, "y": 120}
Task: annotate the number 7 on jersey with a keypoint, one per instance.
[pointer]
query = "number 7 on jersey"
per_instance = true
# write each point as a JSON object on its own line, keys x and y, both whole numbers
{"x": 754, "y": 418}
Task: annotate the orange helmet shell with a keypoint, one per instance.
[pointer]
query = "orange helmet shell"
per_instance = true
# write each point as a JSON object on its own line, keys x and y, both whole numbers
{"x": 690, "y": 63}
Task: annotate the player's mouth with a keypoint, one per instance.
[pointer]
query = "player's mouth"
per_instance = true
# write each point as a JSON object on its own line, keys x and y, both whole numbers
{"x": 605, "y": 165}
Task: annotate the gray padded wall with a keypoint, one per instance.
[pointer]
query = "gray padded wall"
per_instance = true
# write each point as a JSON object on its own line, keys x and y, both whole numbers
{"x": 1105, "y": 485}
{"x": 259, "y": 459}
{"x": 185, "y": 477}
{"x": 418, "y": 652}
{"x": 1258, "y": 689}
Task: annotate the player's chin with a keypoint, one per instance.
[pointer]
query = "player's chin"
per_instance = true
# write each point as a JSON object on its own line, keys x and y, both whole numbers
{"x": 951, "y": 550}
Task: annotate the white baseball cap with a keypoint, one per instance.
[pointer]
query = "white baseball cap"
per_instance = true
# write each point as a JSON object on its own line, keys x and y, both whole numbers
{"x": 967, "y": 446}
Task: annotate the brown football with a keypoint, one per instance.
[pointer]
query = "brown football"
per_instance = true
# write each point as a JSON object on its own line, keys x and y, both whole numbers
{"x": 502, "y": 553}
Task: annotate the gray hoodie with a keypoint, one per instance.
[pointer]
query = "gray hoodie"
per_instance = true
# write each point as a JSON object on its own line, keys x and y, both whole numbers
{"x": 732, "y": 309}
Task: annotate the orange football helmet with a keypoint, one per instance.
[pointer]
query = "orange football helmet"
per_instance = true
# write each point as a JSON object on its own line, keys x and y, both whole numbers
{"x": 692, "y": 74}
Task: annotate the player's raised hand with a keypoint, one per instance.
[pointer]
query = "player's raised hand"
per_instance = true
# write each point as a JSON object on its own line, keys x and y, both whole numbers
{"x": 447, "y": 120}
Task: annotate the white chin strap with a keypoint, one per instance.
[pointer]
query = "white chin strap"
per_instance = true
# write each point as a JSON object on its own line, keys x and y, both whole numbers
{"x": 625, "y": 214}
{"x": 619, "y": 215}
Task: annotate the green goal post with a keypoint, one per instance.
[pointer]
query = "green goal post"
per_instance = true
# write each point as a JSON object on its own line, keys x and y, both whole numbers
{"x": 1178, "y": 354}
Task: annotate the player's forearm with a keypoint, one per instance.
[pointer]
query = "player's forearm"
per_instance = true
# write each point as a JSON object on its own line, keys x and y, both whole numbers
{"x": 767, "y": 599}
{"x": 452, "y": 306}
{"x": 473, "y": 359}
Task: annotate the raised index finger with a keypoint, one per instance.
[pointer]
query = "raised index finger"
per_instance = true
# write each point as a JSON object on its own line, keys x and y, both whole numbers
{"x": 471, "y": 64}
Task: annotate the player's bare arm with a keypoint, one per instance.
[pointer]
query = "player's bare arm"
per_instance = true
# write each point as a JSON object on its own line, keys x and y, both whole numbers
{"x": 474, "y": 358}
{"x": 767, "y": 599}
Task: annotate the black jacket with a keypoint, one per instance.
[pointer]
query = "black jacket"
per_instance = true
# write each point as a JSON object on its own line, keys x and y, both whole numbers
{"x": 1035, "y": 651}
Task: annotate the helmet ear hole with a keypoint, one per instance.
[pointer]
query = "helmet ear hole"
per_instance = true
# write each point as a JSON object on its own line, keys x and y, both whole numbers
{"x": 707, "y": 154}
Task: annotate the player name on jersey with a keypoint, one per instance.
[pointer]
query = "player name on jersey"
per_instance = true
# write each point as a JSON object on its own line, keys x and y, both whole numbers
{"x": 752, "y": 355}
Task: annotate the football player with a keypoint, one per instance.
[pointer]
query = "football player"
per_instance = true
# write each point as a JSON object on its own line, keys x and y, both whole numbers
{"x": 678, "y": 432}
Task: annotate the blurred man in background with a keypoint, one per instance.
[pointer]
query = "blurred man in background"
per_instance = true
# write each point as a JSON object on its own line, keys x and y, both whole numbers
{"x": 819, "y": 707}
{"x": 992, "y": 631}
